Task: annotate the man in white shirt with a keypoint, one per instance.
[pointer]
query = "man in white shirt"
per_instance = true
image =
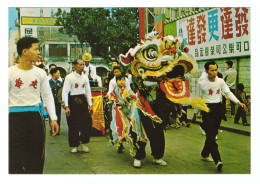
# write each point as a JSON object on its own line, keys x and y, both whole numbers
{"x": 89, "y": 69}
{"x": 27, "y": 84}
{"x": 211, "y": 88}
{"x": 78, "y": 106}
{"x": 230, "y": 77}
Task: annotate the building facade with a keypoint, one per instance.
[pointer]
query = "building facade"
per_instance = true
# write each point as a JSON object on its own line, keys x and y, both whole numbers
{"x": 218, "y": 34}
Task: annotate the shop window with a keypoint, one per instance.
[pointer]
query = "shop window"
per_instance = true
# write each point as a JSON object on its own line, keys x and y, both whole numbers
{"x": 58, "y": 50}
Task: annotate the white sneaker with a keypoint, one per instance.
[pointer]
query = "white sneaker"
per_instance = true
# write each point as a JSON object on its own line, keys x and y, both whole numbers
{"x": 159, "y": 161}
{"x": 137, "y": 163}
{"x": 74, "y": 150}
{"x": 202, "y": 131}
{"x": 208, "y": 159}
{"x": 85, "y": 148}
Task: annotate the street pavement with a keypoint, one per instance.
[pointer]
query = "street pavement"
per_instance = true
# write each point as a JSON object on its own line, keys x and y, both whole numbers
{"x": 182, "y": 153}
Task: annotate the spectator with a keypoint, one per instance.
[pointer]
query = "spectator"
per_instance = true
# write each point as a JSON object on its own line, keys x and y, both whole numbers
{"x": 56, "y": 85}
{"x": 241, "y": 95}
{"x": 230, "y": 76}
{"x": 89, "y": 69}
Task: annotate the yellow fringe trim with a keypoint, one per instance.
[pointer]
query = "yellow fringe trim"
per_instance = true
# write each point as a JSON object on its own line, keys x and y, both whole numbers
{"x": 194, "y": 102}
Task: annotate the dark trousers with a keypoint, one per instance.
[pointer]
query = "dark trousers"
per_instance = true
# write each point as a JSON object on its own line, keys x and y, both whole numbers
{"x": 232, "y": 104}
{"x": 79, "y": 122}
{"x": 26, "y": 143}
{"x": 155, "y": 135}
{"x": 240, "y": 113}
{"x": 211, "y": 124}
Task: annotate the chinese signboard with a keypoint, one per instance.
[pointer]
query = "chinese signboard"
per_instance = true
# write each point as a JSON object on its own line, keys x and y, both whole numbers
{"x": 217, "y": 33}
{"x": 39, "y": 21}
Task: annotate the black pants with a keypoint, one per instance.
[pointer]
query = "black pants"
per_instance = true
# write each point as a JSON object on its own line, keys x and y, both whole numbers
{"x": 240, "y": 112}
{"x": 155, "y": 135}
{"x": 79, "y": 122}
{"x": 211, "y": 124}
{"x": 26, "y": 143}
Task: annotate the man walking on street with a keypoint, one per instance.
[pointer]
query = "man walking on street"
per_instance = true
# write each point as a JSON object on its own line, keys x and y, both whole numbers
{"x": 78, "y": 106}
{"x": 27, "y": 84}
{"x": 211, "y": 89}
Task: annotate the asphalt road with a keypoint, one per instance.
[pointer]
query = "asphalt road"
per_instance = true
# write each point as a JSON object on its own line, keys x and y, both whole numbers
{"x": 182, "y": 154}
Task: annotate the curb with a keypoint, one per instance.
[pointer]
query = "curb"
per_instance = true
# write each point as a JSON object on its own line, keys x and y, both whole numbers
{"x": 243, "y": 132}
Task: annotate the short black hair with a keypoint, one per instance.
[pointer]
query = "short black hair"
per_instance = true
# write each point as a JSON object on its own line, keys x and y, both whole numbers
{"x": 54, "y": 70}
{"x": 206, "y": 66}
{"x": 75, "y": 62}
{"x": 41, "y": 66}
{"x": 25, "y": 43}
{"x": 119, "y": 77}
{"x": 240, "y": 86}
{"x": 52, "y": 65}
{"x": 117, "y": 67}
{"x": 230, "y": 63}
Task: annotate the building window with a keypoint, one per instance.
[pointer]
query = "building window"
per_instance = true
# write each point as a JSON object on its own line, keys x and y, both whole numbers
{"x": 41, "y": 33}
{"x": 52, "y": 14}
{"x": 58, "y": 50}
{"x": 41, "y": 12}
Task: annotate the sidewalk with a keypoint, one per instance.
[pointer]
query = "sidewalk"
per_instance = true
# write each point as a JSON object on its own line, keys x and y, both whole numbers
{"x": 228, "y": 125}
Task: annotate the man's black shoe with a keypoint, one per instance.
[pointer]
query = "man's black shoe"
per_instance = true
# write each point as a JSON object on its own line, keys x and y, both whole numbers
{"x": 219, "y": 166}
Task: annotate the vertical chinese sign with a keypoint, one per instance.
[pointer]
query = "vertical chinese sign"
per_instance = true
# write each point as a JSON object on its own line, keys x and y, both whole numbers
{"x": 217, "y": 33}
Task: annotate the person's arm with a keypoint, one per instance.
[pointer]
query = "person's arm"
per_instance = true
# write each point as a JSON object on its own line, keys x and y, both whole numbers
{"x": 65, "y": 92}
{"x": 48, "y": 99}
{"x": 231, "y": 96}
{"x": 99, "y": 79}
{"x": 94, "y": 72}
{"x": 110, "y": 88}
{"x": 88, "y": 92}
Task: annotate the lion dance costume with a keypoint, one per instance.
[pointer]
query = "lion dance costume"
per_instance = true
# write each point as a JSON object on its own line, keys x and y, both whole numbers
{"x": 159, "y": 59}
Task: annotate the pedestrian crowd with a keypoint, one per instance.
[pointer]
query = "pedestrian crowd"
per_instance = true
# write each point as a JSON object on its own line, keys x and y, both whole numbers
{"x": 128, "y": 115}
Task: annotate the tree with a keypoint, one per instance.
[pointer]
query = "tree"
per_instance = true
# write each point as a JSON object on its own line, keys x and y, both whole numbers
{"x": 109, "y": 32}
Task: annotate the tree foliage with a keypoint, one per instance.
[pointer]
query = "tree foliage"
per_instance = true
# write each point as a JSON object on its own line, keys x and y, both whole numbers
{"x": 116, "y": 28}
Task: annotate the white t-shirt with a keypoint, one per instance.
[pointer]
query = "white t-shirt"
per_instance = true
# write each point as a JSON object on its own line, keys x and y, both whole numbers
{"x": 77, "y": 85}
{"x": 27, "y": 86}
{"x": 92, "y": 69}
{"x": 211, "y": 91}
